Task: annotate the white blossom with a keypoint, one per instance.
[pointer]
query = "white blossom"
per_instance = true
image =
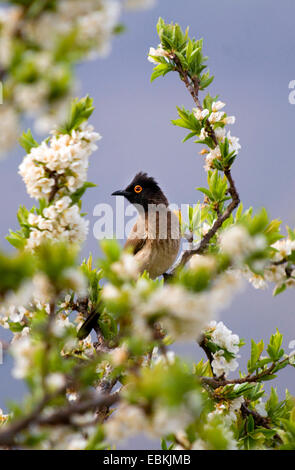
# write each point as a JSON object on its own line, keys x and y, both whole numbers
{"x": 77, "y": 281}
{"x": 260, "y": 408}
{"x": 159, "y": 358}
{"x": 216, "y": 117}
{"x": 43, "y": 289}
{"x": 236, "y": 242}
{"x": 220, "y": 133}
{"x": 76, "y": 442}
{"x": 234, "y": 145}
{"x": 119, "y": 355}
{"x": 200, "y": 114}
{"x": 126, "y": 421}
{"x": 227, "y": 341}
{"x": 22, "y": 350}
{"x": 221, "y": 366}
{"x": 202, "y": 261}
{"x": 217, "y": 106}
{"x": 257, "y": 281}
{"x": 30, "y": 97}
{"x": 64, "y": 157}
{"x": 63, "y": 154}
{"x": 210, "y": 157}
{"x": 283, "y": 248}
{"x": 60, "y": 325}
{"x": 111, "y": 292}
{"x": 127, "y": 268}
{"x": 223, "y": 337}
{"x": 229, "y": 120}
{"x": 203, "y": 134}
{"x": 9, "y": 19}
{"x": 159, "y": 52}
{"x": 55, "y": 381}
{"x": 92, "y": 20}
{"x": 182, "y": 313}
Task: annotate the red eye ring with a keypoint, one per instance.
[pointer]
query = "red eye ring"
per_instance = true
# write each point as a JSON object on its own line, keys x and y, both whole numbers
{"x": 138, "y": 189}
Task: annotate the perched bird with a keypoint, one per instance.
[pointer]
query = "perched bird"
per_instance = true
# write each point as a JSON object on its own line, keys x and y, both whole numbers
{"x": 155, "y": 238}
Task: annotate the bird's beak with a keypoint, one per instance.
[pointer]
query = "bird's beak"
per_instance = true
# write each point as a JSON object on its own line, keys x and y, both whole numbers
{"x": 120, "y": 193}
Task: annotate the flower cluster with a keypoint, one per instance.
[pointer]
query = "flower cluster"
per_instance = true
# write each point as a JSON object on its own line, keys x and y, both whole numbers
{"x": 218, "y": 120}
{"x": 239, "y": 244}
{"x": 54, "y": 171}
{"x": 61, "y": 162}
{"x": 93, "y": 20}
{"x": 277, "y": 270}
{"x": 182, "y": 313}
{"x": 226, "y": 346}
{"x": 60, "y": 221}
{"x": 127, "y": 268}
{"x": 22, "y": 350}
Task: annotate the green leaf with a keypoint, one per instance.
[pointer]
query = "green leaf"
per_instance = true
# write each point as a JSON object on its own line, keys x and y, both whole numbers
{"x": 274, "y": 347}
{"x": 161, "y": 70}
{"x": 278, "y": 290}
{"x": 189, "y": 136}
{"x": 81, "y": 110}
{"x": 15, "y": 327}
{"x": 207, "y": 192}
{"x": 27, "y": 141}
{"x": 76, "y": 196}
{"x": 256, "y": 350}
{"x": 111, "y": 249}
{"x": 164, "y": 445}
{"x": 16, "y": 240}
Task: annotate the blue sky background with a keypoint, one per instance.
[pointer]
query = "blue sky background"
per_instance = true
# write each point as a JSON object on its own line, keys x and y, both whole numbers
{"x": 250, "y": 46}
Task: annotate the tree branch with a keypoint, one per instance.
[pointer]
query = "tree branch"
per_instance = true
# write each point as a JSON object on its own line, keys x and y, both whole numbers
{"x": 203, "y": 345}
{"x": 258, "y": 419}
{"x": 192, "y": 85}
{"x": 62, "y": 416}
{"x": 221, "y": 382}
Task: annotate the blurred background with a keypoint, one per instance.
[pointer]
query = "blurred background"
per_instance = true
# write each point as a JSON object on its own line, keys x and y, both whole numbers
{"x": 250, "y": 46}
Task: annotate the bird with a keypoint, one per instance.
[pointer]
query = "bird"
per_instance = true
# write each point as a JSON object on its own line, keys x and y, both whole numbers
{"x": 154, "y": 239}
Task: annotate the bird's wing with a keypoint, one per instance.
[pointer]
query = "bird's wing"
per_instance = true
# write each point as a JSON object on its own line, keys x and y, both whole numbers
{"x": 134, "y": 243}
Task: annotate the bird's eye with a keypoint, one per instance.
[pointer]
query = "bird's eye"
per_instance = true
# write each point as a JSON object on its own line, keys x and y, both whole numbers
{"x": 138, "y": 188}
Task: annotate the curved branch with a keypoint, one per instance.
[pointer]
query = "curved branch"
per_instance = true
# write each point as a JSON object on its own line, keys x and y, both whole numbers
{"x": 61, "y": 416}
{"x": 221, "y": 382}
{"x": 192, "y": 85}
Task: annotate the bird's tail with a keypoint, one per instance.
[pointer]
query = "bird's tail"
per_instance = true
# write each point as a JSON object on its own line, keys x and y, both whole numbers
{"x": 88, "y": 325}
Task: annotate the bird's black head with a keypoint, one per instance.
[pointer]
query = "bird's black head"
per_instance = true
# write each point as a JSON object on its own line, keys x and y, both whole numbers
{"x": 143, "y": 190}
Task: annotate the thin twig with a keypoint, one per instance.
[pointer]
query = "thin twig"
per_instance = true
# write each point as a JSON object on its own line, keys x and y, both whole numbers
{"x": 192, "y": 84}
{"x": 64, "y": 415}
{"x": 203, "y": 345}
{"x": 258, "y": 419}
{"x": 221, "y": 382}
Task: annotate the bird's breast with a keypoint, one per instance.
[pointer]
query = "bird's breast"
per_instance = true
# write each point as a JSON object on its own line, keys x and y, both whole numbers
{"x": 162, "y": 240}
